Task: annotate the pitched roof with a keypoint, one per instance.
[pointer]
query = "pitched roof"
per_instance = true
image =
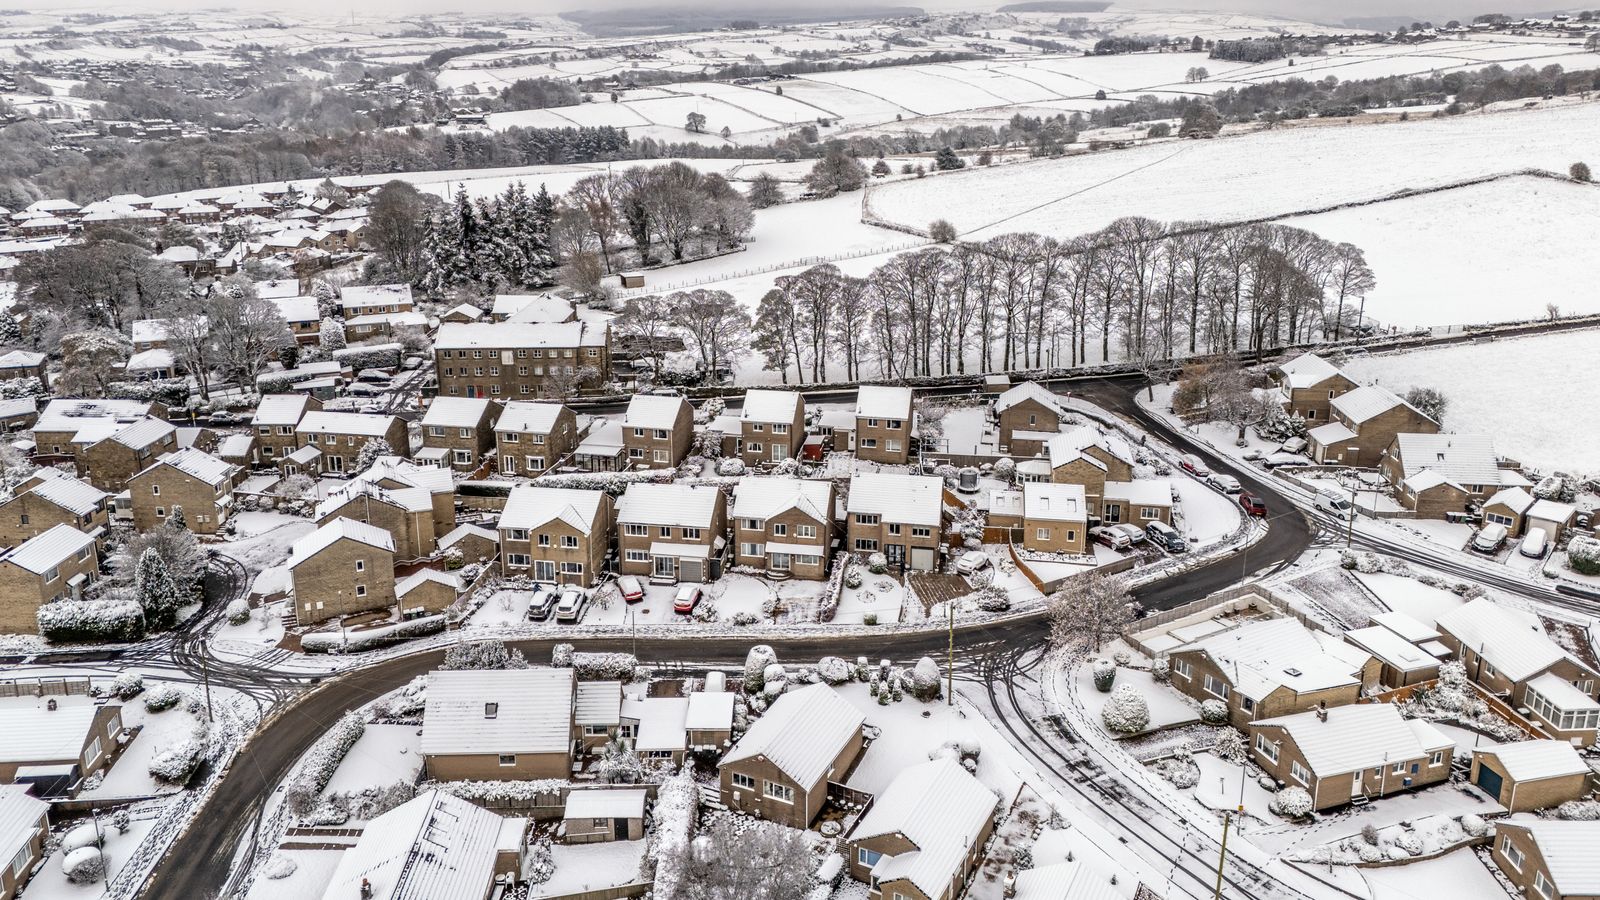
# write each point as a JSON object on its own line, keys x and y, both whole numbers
{"x": 1568, "y": 852}
{"x": 1054, "y": 502}
{"x": 1307, "y": 370}
{"x": 1028, "y": 390}
{"x": 432, "y": 847}
{"x": 1461, "y": 458}
{"x": 1331, "y": 433}
{"x": 339, "y": 529}
{"x": 762, "y": 405}
{"x": 532, "y": 711}
{"x": 758, "y": 497}
{"x": 650, "y": 411}
{"x": 21, "y": 359}
{"x": 456, "y": 412}
{"x": 464, "y": 531}
{"x": 878, "y": 401}
{"x": 530, "y": 506}
{"x": 41, "y": 552}
{"x": 801, "y": 733}
{"x": 35, "y": 733}
{"x": 1532, "y": 760}
{"x": 199, "y": 464}
{"x": 74, "y": 496}
{"x": 297, "y": 309}
{"x": 532, "y": 308}
{"x": 531, "y": 416}
{"x": 906, "y": 499}
{"x": 1511, "y": 640}
{"x": 1071, "y": 444}
{"x": 280, "y": 409}
{"x": 1358, "y": 736}
{"x": 426, "y": 576}
{"x": 605, "y": 803}
{"x": 1515, "y": 499}
{"x": 661, "y": 722}
{"x": 408, "y": 499}
{"x": 20, "y": 813}
{"x": 1263, "y": 656}
{"x": 941, "y": 810}
{"x": 1365, "y": 402}
{"x": 74, "y": 415}
{"x": 324, "y": 422}
{"x": 669, "y": 504}
{"x": 357, "y": 296}
{"x": 143, "y": 433}
{"x": 497, "y": 335}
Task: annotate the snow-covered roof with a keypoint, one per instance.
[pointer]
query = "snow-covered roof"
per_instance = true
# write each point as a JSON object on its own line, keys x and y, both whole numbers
{"x": 410, "y": 499}
{"x": 53, "y": 205}
{"x": 1365, "y": 402}
{"x": 1358, "y": 736}
{"x": 280, "y": 409}
{"x": 529, "y": 416}
{"x": 1151, "y": 492}
{"x": 941, "y": 809}
{"x": 530, "y": 506}
{"x": 597, "y": 703}
{"x": 472, "y": 313}
{"x": 1391, "y": 648}
{"x": 234, "y": 446}
{"x": 143, "y": 433}
{"x": 650, "y": 411}
{"x": 157, "y": 360}
{"x": 1307, "y": 370}
{"x": 1028, "y": 390}
{"x": 35, "y": 733}
{"x": 515, "y": 335}
{"x": 21, "y": 359}
{"x": 1462, "y": 458}
{"x": 1260, "y": 657}
{"x": 906, "y": 499}
{"x": 1562, "y": 694}
{"x": 1331, "y": 433}
{"x": 339, "y": 529}
{"x": 77, "y": 497}
{"x": 1515, "y": 499}
{"x": 1406, "y": 626}
{"x": 456, "y": 412}
{"x": 401, "y": 319}
{"x": 278, "y": 287}
{"x": 426, "y": 576}
{"x": 361, "y": 296}
{"x": 1075, "y": 880}
{"x": 605, "y": 803}
{"x": 465, "y": 531}
{"x": 297, "y": 309}
{"x": 75, "y": 415}
{"x": 318, "y": 421}
{"x": 474, "y": 711}
{"x": 710, "y": 711}
{"x": 1428, "y": 479}
{"x": 408, "y": 474}
{"x": 669, "y": 504}
{"x": 1568, "y": 852}
{"x": 878, "y": 401}
{"x": 432, "y": 847}
{"x": 604, "y": 439}
{"x": 660, "y": 722}
{"x": 1511, "y": 640}
{"x": 199, "y": 464}
{"x": 146, "y": 331}
{"x": 1532, "y": 760}
{"x": 1072, "y": 444}
{"x": 759, "y": 497}
{"x": 1054, "y": 502}
{"x": 46, "y": 550}
{"x": 20, "y": 815}
{"x": 762, "y": 405}
{"x": 18, "y": 406}
{"x": 532, "y": 309}
{"x": 1551, "y": 511}
{"x": 802, "y": 733}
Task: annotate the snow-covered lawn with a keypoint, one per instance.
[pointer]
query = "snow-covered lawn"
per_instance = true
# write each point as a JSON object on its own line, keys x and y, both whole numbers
{"x": 130, "y": 776}
{"x": 1417, "y": 600}
{"x": 907, "y": 738}
{"x": 590, "y": 867}
{"x": 1522, "y": 391}
{"x": 1167, "y": 706}
{"x": 1435, "y": 804}
{"x": 1219, "y": 789}
{"x": 382, "y": 756}
{"x": 253, "y": 523}
{"x": 1460, "y": 873}
{"x": 264, "y": 628}
{"x": 879, "y": 595}
{"x": 270, "y": 547}
{"x": 52, "y": 884}
{"x": 311, "y": 872}
{"x": 1207, "y": 516}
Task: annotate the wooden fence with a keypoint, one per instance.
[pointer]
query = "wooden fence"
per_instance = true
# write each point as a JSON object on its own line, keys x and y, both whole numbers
{"x": 44, "y": 686}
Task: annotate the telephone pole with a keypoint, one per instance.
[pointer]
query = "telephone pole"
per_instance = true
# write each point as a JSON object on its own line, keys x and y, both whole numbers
{"x": 950, "y": 656}
{"x": 1222, "y": 854}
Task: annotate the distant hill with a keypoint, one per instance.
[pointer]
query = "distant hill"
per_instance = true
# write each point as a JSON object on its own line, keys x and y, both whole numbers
{"x": 1055, "y": 6}
{"x": 676, "y": 19}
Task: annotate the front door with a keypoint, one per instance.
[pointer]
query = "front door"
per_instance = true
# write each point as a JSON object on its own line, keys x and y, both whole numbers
{"x": 619, "y": 829}
{"x": 895, "y": 554}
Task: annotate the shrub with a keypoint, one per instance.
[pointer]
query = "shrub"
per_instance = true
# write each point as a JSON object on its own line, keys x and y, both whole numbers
{"x": 561, "y": 656}
{"x": 482, "y": 655}
{"x": 870, "y": 618}
{"x": 1105, "y": 675}
{"x": 1579, "y": 810}
{"x": 1230, "y": 746}
{"x": 1126, "y": 712}
{"x": 1292, "y": 803}
{"x": 994, "y": 602}
{"x": 1213, "y": 712}
{"x": 371, "y": 356}
{"x": 305, "y": 786}
{"x": 1579, "y": 171}
{"x": 334, "y": 642}
{"x": 1161, "y": 671}
{"x": 604, "y": 666}
{"x": 925, "y": 680}
{"x": 162, "y": 697}
{"x": 84, "y": 835}
{"x": 1473, "y": 825}
{"x": 85, "y": 865}
{"x": 852, "y": 578}
{"x": 1181, "y": 770}
{"x": 70, "y": 621}
{"x": 1583, "y": 555}
{"x": 834, "y": 670}
{"x": 238, "y": 611}
{"x": 177, "y": 763}
{"x": 126, "y": 685}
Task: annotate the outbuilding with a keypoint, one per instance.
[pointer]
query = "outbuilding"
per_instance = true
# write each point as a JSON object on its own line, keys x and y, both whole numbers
{"x": 612, "y": 814}
{"x": 1530, "y": 775}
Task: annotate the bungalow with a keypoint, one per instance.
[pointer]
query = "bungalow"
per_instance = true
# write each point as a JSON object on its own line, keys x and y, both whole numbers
{"x": 885, "y": 424}
{"x": 1351, "y": 754}
{"x": 1530, "y": 775}
{"x": 784, "y": 525}
{"x": 531, "y": 437}
{"x": 340, "y": 437}
{"x": 1364, "y": 423}
{"x": 1549, "y": 858}
{"x": 1043, "y": 517}
{"x": 52, "y": 498}
{"x": 1309, "y": 384}
{"x": 657, "y": 727}
{"x": 1401, "y": 663}
{"x": 497, "y": 725}
{"x": 780, "y": 769}
{"x": 900, "y": 516}
{"x": 462, "y": 427}
{"x": 923, "y": 838}
{"x": 55, "y": 565}
{"x": 192, "y": 480}
{"x": 556, "y": 535}
{"x": 603, "y": 814}
{"x": 657, "y": 431}
{"x": 373, "y": 325}
{"x": 365, "y": 300}
{"x": 22, "y": 842}
{"x": 433, "y": 844}
{"x": 276, "y": 423}
{"x": 343, "y": 567}
{"x": 772, "y": 426}
{"x": 56, "y": 740}
{"x": 1026, "y": 416}
{"x": 1436, "y": 475}
{"x": 672, "y": 532}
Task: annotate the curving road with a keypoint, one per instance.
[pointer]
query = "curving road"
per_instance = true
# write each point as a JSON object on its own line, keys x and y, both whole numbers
{"x": 199, "y": 862}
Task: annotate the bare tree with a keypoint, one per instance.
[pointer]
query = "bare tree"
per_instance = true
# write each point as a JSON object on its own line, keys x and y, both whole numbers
{"x": 746, "y": 861}
{"x": 594, "y": 196}
{"x": 89, "y": 361}
{"x": 246, "y": 329}
{"x": 648, "y": 321}
{"x": 188, "y": 330}
{"x": 715, "y": 324}
{"x": 1089, "y": 611}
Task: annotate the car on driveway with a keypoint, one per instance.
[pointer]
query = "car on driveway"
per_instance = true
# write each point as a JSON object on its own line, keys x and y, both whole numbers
{"x": 1534, "y": 543}
{"x": 632, "y": 591}
{"x": 573, "y": 601}
{"x": 542, "y": 604}
{"x": 1225, "y": 483}
{"x": 1133, "y": 533}
{"x": 1337, "y": 504}
{"x": 687, "y": 599}
{"x": 1110, "y": 537}
{"x": 1166, "y": 537}
{"x": 1194, "y": 465}
{"x": 972, "y": 561}
{"x": 1489, "y": 538}
{"x": 1252, "y": 504}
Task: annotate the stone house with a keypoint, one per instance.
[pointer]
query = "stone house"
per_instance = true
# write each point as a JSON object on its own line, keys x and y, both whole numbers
{"x": 462, "y": 427}
{"x": 555, "y": 535}
{"x": 51, "y": 498}
{"x": 1531, "y": 775}
{"x": 1439, "y": 474}
{"x": 1549, "y": 858}
{"x": 74, "y": 735}
{"x": 19, "y": 364}
{"x": 1401, "y": 663}
{"x": 1137, "y": 502}
{"x": 672, "y": 532}
{"x": 498, "y": 725}
{"x": 427, "y": 591}
{"x": 434, "y": 845}
{"x": 516, "y": 361}
{"x": 784, "y": 525}
{"x": 1351, "y": 753}
{"x": 276, "y": 423}
{"x": 110, "y": 462}
{"x": 1309, "y": 384}
{"x": 1090, "y": 456}
{"x": 66, "y": 427}
{"x": 532, "y": 437}
{"x": 340, "y": 436}
{"x": 657, "y": 431}
{"x": 924, "y": 836}
{"x": 192, "y": 480}
{"x": 1364, "y": 422}
{"x": 1044, "y": 517}
{"x": 375, "y": 299}
{"x": 393, "y": 473}
{"x": 885, "y": 424}
{"x": 343, "y": 567}
{"x": 1026, "y": 417}
{"x": 772, "y": 426}
{"x": 303, "y": 318}
{"x": 406, "y": 513}
{"x": 55, "y": 565}
{"x": 780, "y": 769}
{"x": 900, "y": 516}
{"x": 23, "y": 843}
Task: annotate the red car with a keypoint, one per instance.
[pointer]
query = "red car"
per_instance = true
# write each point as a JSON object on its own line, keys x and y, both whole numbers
{"x": 1252, "y": 504}
{"x": 632, "y": 590}
{"x": 688, "y": 598}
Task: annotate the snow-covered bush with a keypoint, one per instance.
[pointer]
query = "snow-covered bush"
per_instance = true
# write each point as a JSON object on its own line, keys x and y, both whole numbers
{"x": 238, "y": 611}
{"x": 1213, "y": 712}
{"x": 373, "y": 801}
{"x": 84, "y": 835}
{"x": 755, "y": 666}
{"x": 677, "y": 805}
{"x": 540, "y": 864}
{"x": 1292, "y": 803}
{"x": 1004, "y": 468}
{"x": 178, "y": 762}
{"x": 1126, "y": 712}
{"x": 279, "y": 867}
{"x": 852, "y": 578}
{"x": 162, "y": 697}
{"x": 1409, "y": 842}
{"x": 925, "y": 680}
{"x": 730, "y": 466}
{"x": 619, "y": 764}
{"x": 604, "y": 666}
{"x": 561, "y": 656}
{"x": 361, "y": 641}
{"x": 1105, "y": 675}
{"x": 774, "y": 680}
{"x": 1161, "y": 671}
{"x": 1230, "y": 746}
{"x": 305, "y": 786}
{"x": 370, "y": 356}
{"x": 85, "y": 865}
{"x": 1583, "y": 555}
{"x": 490, "y": 654}
{"x": 76, "y": 621}
{"x": 1579, "y": 810}
{"x": 121, "y": 820}
{"x": 1473, "y": 825}
{"x": 126, "y": 685}
{"x": 877, "y": 564}
{"x": 745, "y": 618}
{"x": 1181, "y": 770}
{"x": 1122, "y": 657}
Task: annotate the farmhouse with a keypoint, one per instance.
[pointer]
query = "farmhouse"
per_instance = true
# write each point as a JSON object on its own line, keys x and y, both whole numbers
{"x": 1530, "y": 775}
{"x": 556, "y": 535}
{"x": 1352, "y": 753}
{"x": 784, "y": 525}
{"x": 493, "y": 725}
{"x": 780, "y": 769}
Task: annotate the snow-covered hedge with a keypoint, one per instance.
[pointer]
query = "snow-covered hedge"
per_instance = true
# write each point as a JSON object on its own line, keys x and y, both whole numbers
{"x": 126, "y": 685}
{"x": 370, "y": 356}
{"x": 163, "y": 697}
{"x": 1292, "y": 803}
{"x": 1126, "y": 712}
{"x": 755, "y": 666}
{"x": 178, "y": 762}
{"x": 334, "y": 642}
{"x": 483, "y": 655}
{"x": 318, "y": 767}
{"x": 238, "y": 611}
{"x": 70, "y": 621}
{"x": 604, "y": 666}
{"x": 677, "y": 803}
{"x": 493, "y": 792}
{"x": 1583, "y": 555}
{"x": 85, "y": 865}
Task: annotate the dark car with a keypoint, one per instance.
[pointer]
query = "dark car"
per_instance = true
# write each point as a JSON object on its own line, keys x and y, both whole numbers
{"x": 542, "y": 604}
{"x": 1252, "y": 504}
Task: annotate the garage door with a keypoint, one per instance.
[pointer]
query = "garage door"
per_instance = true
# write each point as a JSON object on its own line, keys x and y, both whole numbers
{"x": 1489, "y": 780}
{"x": 922, "y": 559}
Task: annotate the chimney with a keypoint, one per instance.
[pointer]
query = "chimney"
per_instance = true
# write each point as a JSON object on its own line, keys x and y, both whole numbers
{"x": 366, "y": 889}
{"x": 1011, "y": 885}
{"x": 1322, "y": 711}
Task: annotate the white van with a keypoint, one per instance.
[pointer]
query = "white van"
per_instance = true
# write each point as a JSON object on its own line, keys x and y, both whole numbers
{"x": 1534, "y": 543}
{"x": 1334, "y": 503}
{"x": 1489, "y": 538}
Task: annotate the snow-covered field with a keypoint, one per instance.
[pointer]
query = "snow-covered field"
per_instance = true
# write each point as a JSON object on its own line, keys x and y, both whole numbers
{"x": 1528, "y": 393}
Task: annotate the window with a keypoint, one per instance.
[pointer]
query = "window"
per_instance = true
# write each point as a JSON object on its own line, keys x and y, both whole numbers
{"x": 748, "y": 549}
{"x": 361, "y": 590}
{"x": 1265, "y": 747}
{"x": 572, "y": 568}
{"x": 52, "y": 574}
{"x": 636, "y": 556}
{"x": 436, "y": 430}
{"x": 568, "y": 541}
{"x": 1149, "y": 513}
{"x": 1543, "y": 886}
{"x": 805, "y": 531}
{"x": 868, "y": 858}
{"x": 741, "y": 780}
{"x": 894, "y": 528}
{"x": 635, "y": 530}
{"x": 866, "y": 545}
{"x": 662, "y": 456}
{"x": 752, "y": 524}
{"x": 1510, "y": 851}
{"x": 872, "y": 423}
{"x": 779, "y": 529}
{"x": 518, "y": 560}
{"x": 516, "y": 534}
{"x": 780, "y": 792}
{"x": 155, "y": 490}
{"x": 491, "y": 710}
{"x": 361, "y": 565}
{"x": 1437, "y": 758}
{"x": 666, "y": 531}
{"x": 891, "y": 445}
{"x": 780, "y": 428}
{"x": 895, "y": 424}
{"x": 508, "y": 759}
{"x": 24, "y": 519}
{"x": 870, "y": 443}
{"x": 1216, "y": 687}
{"x": 1299, "y": 773}
{"x": 1400, "y": 767}
{"x": 1182, "y": 668}
{"x": 921, "y": 531}
{"x": 463, "y": 457}
{"x": 755, "y": 447}
{"x": 757, "y": 426}
{"x": 661, "y": 434}
{"x": 867, "y": 518}
{"x": 19, "y": 863}
{"x": 594, "y": 730}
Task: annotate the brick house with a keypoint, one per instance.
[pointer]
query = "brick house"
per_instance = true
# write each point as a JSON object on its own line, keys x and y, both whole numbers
{"x": 556, "y": 535}
{"x": 497, "y": 725}
{"x": 1309, "y": 384}
{"x": 73, "y": 731}
{"x": 1549, "y": 858}
{"x": 66, "y": 427}
{"x": 426, "y": 591}
{"x": 1530, "y": 775}
{"x": 340, "y": 436}
{"x": 531, "y": 437}
{"x": 406, "y": 513}
{"x": 56, "y": 565}
{"x": 1364, "y": 422}
{"x": 23, "y": 843}
{"x": 923, "y": 837}
{"x": 462, "y": 427}
{"x": 783, "y": 525}
{"x": 1438, "y": 474}
{"x": 193, "y": 480}
{"x": 780, "y": 769}
{"x": 19, "y": 364}
{"x": 772, "y": 426}
{"x": 657, "y": 431}
{"x": 672, "y": 532}
{"x": 110, "y": 462}
{"x": 900, "y": 516}
{"x": 1025, "y": 417}
{"x": 392, "y": 473}
{"x": 885, "y": 424}
{"x": 1044, "y": 517}
{"x": 277, "y": 422}
{"x": 51, "y": 498}
{"x": 1351, "y": 753}
{"x": 515, "y": 361}
{"x": 343, "y": 567}
{"x": 1090, "y": 456}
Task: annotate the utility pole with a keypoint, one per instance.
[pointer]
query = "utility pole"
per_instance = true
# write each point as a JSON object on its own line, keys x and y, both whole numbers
{"x": 1222, "y": 854}
{"x": 205, "y": 679}
{"x": 950, "y": 656}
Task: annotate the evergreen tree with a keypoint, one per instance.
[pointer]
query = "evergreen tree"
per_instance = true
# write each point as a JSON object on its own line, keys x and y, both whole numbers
{"x": 331, "y": 336}
{"x": 155, "y": 590}
{"x": 327, "y": 298}
{"x": 10, "y": 331}
{"x": 178, "y": 520}
{"x": 370, "y": 451}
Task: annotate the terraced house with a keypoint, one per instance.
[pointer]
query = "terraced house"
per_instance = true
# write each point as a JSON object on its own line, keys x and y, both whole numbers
{"x": 772, "y": 426}
{"x": 458, "y": 432}
{"x": 531, "y": 437}
{"x": 555, "y": 535}
{"x": 339, "y": 436}
{"x": 192, "y": 480}
{"x": 672, "y": 532}
{"x": 515, "y": 361}
{"x": 56, "y": 565}
{"x": 784, "y": 525}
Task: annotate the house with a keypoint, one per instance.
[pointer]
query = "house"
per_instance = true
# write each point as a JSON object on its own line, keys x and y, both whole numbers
{"x": 1401, "y": 663}
{"x": 772, "y": 426}
{"x": 657, "y": 431}
{"x": 1026, "y": 416}
{"x": 1043, "y": 517}
{"x": 19, "y": 364}
{"x": 672, "y": 532}
{"x": 343, "y": 567}
{"x": 1507, "y": 653}
{"x": 52, "y": 498}
{"x": 603, "y": 814}
{"x": 1309, "y": 384}
{"x": 708, "y": 723}
{"x": 57, "y": 564}
{"x": 511, "y": 360}
{"x": 1271, "y": 668}
{"x": 532, "y": 309}
{"x": 1520, "y": 512}
{"x": 1436, "y": 475}
{"x": 496, "y": 725}
{"x": 462, "y": 427}
{"x": 1529, "y": 775}
{"x": 238, "y": 450}
{"x": 923, "y": 837}
{"x": 18, "y": 414}
{"x": 900, "y": 516}
{"x": 656, "y": 726}
{"x": 1090, "y": 456}
{"x": 1075, "y": 880}
{"x": 374, "y": 299}
{"x": 531, "y": 437}
{"x": 473, "y": 543}
{"x": 885, "y": 424}
{"x": 433, "y": 845}
{"x": 340, "y": 437}
{"x": 462, "y": 313}
{"x": 406, "y": 513}
{"x": 55, "y": 741}
{"x": 192, "y": 480}
{"x": 1354, "y": 753}
{"x": 108, "y": 458}
{"x": 1549, "y": 858}
{"x": 1137, "y": 502}
{"x": 393, "y": 473}
{"x": 556, "y": 535}
{"x": 23, "y": 835}
{"x": 152, "y": 365}
{"x": 784, "y": 525}
{"x": 427, "y": 591}
{"x": 373, "y": 325}
{"x": 1363, "y": 423}
{"x": 780, "y": 769}
{"x": 276, "y": 423}
{"x": 303, "y": 317}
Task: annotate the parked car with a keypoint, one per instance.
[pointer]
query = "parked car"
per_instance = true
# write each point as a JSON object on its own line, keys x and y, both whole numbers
{"x": 972, "y": 561}
{"x": 1255, "y": 455}
{"x": 632, "y": 591}
{"x": 572, "y": 603}
{"x": 1294, "y": 445}
{"x": 1489, "y": 538}
{"x": 1134, "y": 533}
{"x": 1334, "y": 503}
{"x": 1277, "y": 460}
{"x": 1252, "y": 504}
{"x": 1166, "y": 537}
{"x": 1110, "y": 537}
{"x": 1534, "y": 543}
{"x": 1194, "y": 465}
{"x": 542, "y": 604}
{"x": 687, "y": 599}
{"x": 1225, "y": 483}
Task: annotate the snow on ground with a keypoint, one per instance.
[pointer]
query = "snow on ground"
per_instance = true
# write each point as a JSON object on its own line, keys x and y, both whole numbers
{"x": 1460, "y": 873}
{"x": 879, "y": 595}
{"x": 1436, "y": 803}
{"x": 384, "y": 755}
{"x": 907, "y": 737}
{"x": 268, "y": 548}
{"x": 52, "y": 884}
{"x": 1417, "y": 600}
{"x": 1512, "y": 389}
{"x": 1167, "y": 706}
{"x": 263, "y": 629}
{"x": 313, "y": 869}
{"x": 1219, "y": 788}
{"x": 1207, "y": 515}
{"x": 251, "y": 523}
{"x": 130, "y": 775}
{"x": 592, "y": 867}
